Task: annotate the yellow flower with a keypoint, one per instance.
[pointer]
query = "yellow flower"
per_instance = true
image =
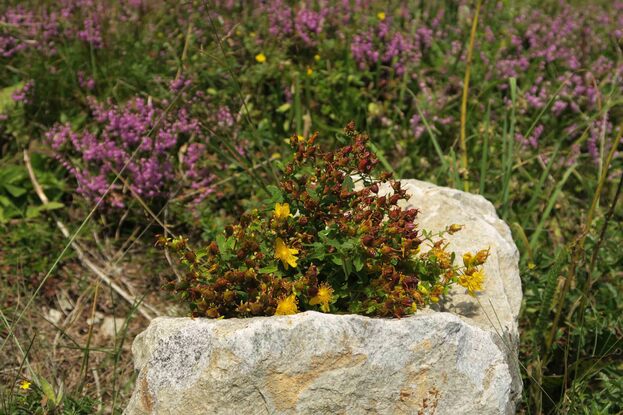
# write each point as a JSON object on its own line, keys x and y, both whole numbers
{"x": 381, "y": 16}
{"x": 287, "y": 305}
{"x": 443, "y": 258}
{"x": 282, "y": 211}
{"x": 414, "y": 307}
{"x": 473, "y": 282}
{"x": 25, "y": 385}
{"x": 435, "y": 295}
{"x": 317, "y": 58}
{"x": 467, "y": 259}
{"x": 323, "y": 297}
{"x": 285, "y": 254}
{"x": 300, "y": 138}
{"x": 310, "y": 71}
{"x": 260, "y": 57}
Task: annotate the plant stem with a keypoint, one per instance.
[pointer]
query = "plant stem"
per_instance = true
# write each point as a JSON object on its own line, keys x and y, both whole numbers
{"x": 470, "y": 49}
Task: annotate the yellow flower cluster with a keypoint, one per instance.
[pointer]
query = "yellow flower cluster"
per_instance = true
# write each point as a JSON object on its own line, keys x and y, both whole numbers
{"x": 473, "y": 282}
{"x": 473, "y": 278}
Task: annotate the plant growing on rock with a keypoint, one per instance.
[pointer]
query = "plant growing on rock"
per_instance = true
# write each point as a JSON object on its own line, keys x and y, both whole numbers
{"x": 332, "y": 238}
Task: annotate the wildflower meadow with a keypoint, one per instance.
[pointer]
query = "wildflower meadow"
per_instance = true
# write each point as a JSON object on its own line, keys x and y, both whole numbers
{"x": 223, "y": 158}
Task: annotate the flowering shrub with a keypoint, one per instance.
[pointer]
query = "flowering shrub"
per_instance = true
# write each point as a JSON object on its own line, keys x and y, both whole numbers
{"x": 329, "y": 239}
{"x": 45, "y": 27}
{"x": 141, "y": 129}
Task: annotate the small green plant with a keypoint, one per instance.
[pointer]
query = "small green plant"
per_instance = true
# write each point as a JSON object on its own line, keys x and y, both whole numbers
{"x": 42, "y": 399}
{"x": 17, "y": 198}
{"x": 330, "y": 239}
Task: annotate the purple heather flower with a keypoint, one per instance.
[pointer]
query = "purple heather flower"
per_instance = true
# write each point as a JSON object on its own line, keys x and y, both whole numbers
{"x": 178, "y": 84}
{"x": 308, "y": 24}
{"x": 533, "y": 140}
{"x": 224, "y": 117}
{"x": 24, "y": 93}
{"x": 558, "y": 107}
{"x": 137, "y": 128}
{"x": 417, "y": 127}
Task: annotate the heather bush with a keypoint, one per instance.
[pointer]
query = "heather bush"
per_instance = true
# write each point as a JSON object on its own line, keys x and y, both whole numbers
{"x": 165, "y": 150}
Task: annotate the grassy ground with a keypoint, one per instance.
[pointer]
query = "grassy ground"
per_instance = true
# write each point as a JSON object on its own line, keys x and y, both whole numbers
{"x": 535, "y": 129}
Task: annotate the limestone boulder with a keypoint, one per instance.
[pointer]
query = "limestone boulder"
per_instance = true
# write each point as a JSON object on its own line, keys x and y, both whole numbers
{"x": 460, "y": 358}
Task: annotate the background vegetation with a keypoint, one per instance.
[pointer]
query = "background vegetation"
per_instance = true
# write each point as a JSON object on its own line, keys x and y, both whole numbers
{"x": 119, "y": 118}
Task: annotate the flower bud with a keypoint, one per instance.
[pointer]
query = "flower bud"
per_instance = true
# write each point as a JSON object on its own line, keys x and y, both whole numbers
{"x": 386, "y": 250}
{"x": 229, "y": 296}
{"x": 213, "y": 248}
{"x": 190, "y": 257}
{"x": 454, "y": 228}
{"x": 481, "y": 256}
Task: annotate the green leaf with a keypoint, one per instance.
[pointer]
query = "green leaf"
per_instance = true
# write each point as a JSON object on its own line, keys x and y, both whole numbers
{"x": 35, "y": 211}
{"x": 324, "y": 233}
{"x": 349, "y": 245}
{"x": 32, "y": 212}
{"x": 6, "y": 100}
{"x": 275, "y": 194}
{"x": 348, "y": 266}
{"x": 15, "y": 191}
{"x": 358, "y": 262}
{"x": 284, "y": 107}
{"x": 51, "y": 206}
{"x": 221, "y": 243}
{"x": 313, "y": 194}
{"x": 269, "y": 269}
{"x": 348, "y": 184}
{"x": 11, "y": 174}
{"x": 5, "y": 201}
{"x": 47, "y": 389}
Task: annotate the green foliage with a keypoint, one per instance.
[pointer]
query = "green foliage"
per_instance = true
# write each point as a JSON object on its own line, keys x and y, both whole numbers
{"x": 30, "y": 399}
{"x": 17, "y": 197}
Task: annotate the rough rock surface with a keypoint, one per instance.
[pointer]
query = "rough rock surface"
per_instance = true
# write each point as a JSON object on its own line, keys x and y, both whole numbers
{"x": 460, "y": 359}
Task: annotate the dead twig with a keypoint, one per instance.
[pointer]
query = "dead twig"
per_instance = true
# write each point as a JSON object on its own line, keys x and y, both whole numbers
{"x": 79, "y": 251}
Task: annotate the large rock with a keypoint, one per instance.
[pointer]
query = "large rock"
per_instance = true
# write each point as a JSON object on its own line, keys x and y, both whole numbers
{"x": 461, "y": 359}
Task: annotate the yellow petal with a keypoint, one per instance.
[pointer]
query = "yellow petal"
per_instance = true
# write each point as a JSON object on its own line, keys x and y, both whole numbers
{"x": 287, "y": 305}
{"x": 284, "y": 254}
